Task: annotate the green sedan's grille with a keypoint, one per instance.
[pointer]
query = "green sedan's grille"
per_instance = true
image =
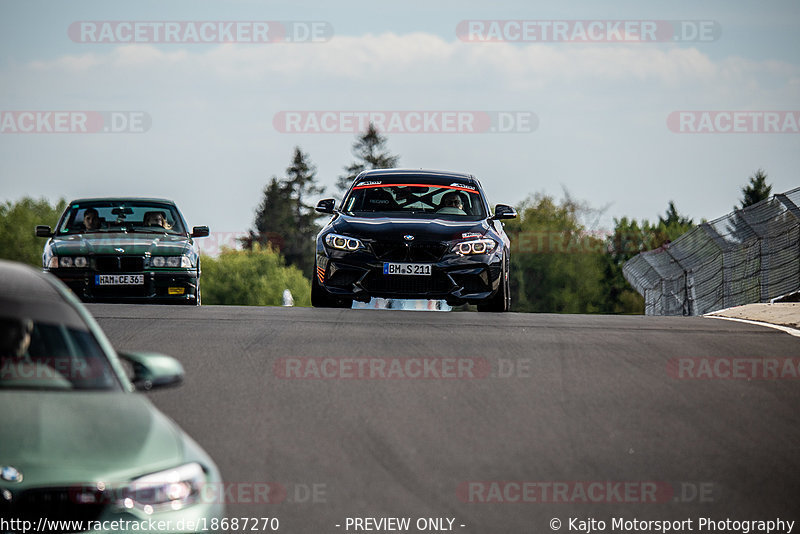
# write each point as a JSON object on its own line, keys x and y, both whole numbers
{"x": 112, "y": 264}
{"x": 56, "y": 504}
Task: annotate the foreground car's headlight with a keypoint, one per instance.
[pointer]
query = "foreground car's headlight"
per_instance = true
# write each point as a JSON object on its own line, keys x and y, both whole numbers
{"x": 475, "y": 246}
{"x": 342, "y": 242}
{"x": 172, "y": 489}
{"x": 183, "y": 262}
{"x": 67, "y": 262}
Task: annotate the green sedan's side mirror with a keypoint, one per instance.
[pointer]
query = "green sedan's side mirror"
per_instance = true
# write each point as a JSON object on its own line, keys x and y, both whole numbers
{"x": 200, "y": 231}
{"x": 43, "y": 231}
{"x": 152, "y": 370}
{"x": 326, "y": 206}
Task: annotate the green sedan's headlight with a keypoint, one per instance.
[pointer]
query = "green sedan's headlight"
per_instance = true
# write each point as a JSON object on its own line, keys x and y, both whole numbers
{"x": 172, "y": 489}
{"x": 343, "y": 242}
{"x": 183, "y": 262}
{"x": 67, "y": 262}
{"x": 475, "y": 246}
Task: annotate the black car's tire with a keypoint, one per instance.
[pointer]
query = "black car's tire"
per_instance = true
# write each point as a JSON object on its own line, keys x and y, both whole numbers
{"x": 322, "y": 299}
{"x": 501, "y": 301}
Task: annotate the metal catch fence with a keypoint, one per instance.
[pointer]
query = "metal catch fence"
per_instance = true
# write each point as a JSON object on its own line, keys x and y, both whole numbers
{"x": 750, "y": 255}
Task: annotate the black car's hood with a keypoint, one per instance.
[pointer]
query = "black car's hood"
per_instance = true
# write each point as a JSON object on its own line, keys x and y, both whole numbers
{"x": 391, "y": 228}
{"x": 136, "y": 244}
{"x": 55, "y": 437}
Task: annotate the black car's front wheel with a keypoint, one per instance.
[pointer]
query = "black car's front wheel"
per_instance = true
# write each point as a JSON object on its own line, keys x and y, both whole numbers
{"x": 322, "y": 299}
{"x": 501, "y": 301}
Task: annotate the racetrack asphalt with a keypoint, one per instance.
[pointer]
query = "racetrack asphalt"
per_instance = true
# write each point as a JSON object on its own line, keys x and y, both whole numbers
{"x": 592, "y": 407}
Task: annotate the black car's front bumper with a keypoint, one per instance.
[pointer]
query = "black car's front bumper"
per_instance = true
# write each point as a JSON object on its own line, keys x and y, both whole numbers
{"x": 457, "y": 279}
{"x": 177, "y": 286}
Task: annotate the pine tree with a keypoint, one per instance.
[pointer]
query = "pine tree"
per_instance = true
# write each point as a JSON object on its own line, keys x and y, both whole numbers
{"x": 284, "y": 220}
{"x": 757, "y": 190}
{"x": 371, "y": 153}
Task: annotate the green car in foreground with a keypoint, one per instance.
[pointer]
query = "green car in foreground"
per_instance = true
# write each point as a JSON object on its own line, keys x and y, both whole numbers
{"x": 125, "y": 250}
{"x": 77, "y": 442}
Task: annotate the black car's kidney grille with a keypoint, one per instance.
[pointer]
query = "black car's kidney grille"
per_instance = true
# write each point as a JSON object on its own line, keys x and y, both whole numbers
{"x": 55, "y": 504}
{"x": 379, "y": 283}
{"x": 399, "y": 251}
{"x": 113, "y": 264}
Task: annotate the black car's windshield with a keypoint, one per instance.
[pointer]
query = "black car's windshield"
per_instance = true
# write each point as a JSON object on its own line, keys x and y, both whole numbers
{"x": 120, "y": 216}
{"x": 453, "y": 202}
{"x": 43, "y": 355}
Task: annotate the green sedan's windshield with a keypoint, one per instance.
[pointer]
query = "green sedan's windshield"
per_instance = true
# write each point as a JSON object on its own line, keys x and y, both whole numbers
{"x": 36, "y": 355}
{"x": 121, "y": 216}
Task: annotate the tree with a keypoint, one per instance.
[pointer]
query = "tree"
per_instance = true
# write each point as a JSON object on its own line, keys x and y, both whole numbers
{"x": 284, "y": 219}
{"x": 757, "y": 190}
{"x": 556, "y": 263}
{"x": 371, "y": 153}
{"x": 17, "y": 222}
{"x": 254, "y": 277}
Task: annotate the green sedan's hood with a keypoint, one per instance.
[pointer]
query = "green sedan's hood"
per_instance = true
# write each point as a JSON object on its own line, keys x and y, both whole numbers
{"x": 135, "y": 244}
{"x": 82, "y": 437}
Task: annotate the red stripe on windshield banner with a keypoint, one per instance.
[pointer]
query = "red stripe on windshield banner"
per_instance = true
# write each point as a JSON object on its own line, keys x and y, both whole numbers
{"x": 369, "y": 186}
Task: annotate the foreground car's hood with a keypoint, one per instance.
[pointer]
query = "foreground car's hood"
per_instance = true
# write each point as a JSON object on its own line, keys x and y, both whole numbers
{"x": 68, "y": 437}
{"x": 134, "y": 244}
{"x": 395, "y": 228}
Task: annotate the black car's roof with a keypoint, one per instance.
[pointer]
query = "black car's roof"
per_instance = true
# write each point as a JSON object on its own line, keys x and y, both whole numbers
{"x": 429, "y": 174}
{"x": 123, "y": 199}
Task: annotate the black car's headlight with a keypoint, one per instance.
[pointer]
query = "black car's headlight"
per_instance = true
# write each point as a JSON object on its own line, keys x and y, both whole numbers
{"x": 67, "y": 262}
{"x": 171, "y": 489}
{"x": 184, "y": 262}
{"x": 343, "y": 242}
{"x": 475, "y": 246}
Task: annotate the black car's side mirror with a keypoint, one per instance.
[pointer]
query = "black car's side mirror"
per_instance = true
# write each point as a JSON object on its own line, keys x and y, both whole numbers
{"x": 43, "y": 231}
{"x": 502, "y": 211}
{"x": 327, "y": 205}
{"x": 200, "y": 231}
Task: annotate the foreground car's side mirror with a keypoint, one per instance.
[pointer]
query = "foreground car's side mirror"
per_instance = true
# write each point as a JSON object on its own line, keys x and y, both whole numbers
{"x": 200, "y": 231}
{"x": 502, "y": 211}
{"x": 43, "y": 231}
{"x": 152, "y": 370}
{"x": 326, "y": 205}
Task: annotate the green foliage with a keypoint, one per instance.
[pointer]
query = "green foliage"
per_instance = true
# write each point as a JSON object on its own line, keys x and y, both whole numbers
{"x": 556, "y": 264}
{"x": 370, "y": 150}
{"x": 254, "y": 277}
{"x": 284, "y": 219}
{"x": 17, "y": 223}
{"x": 757, "y": 190}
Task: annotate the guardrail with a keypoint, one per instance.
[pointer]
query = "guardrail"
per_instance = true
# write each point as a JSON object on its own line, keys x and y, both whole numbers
{"x": 750, "y": 255}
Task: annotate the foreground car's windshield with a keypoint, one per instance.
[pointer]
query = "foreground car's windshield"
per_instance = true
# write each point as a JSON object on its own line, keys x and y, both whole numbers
{"x": 120, "y": 216}
{"x": 455, "y": 201}
{"x": 45, "y": 355}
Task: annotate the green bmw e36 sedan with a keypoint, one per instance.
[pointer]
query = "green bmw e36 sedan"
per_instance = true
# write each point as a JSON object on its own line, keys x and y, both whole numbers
{"x": 125, "y": 250}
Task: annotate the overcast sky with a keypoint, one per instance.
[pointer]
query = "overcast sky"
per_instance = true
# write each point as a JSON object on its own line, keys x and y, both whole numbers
{"x": 592, "y": 115}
